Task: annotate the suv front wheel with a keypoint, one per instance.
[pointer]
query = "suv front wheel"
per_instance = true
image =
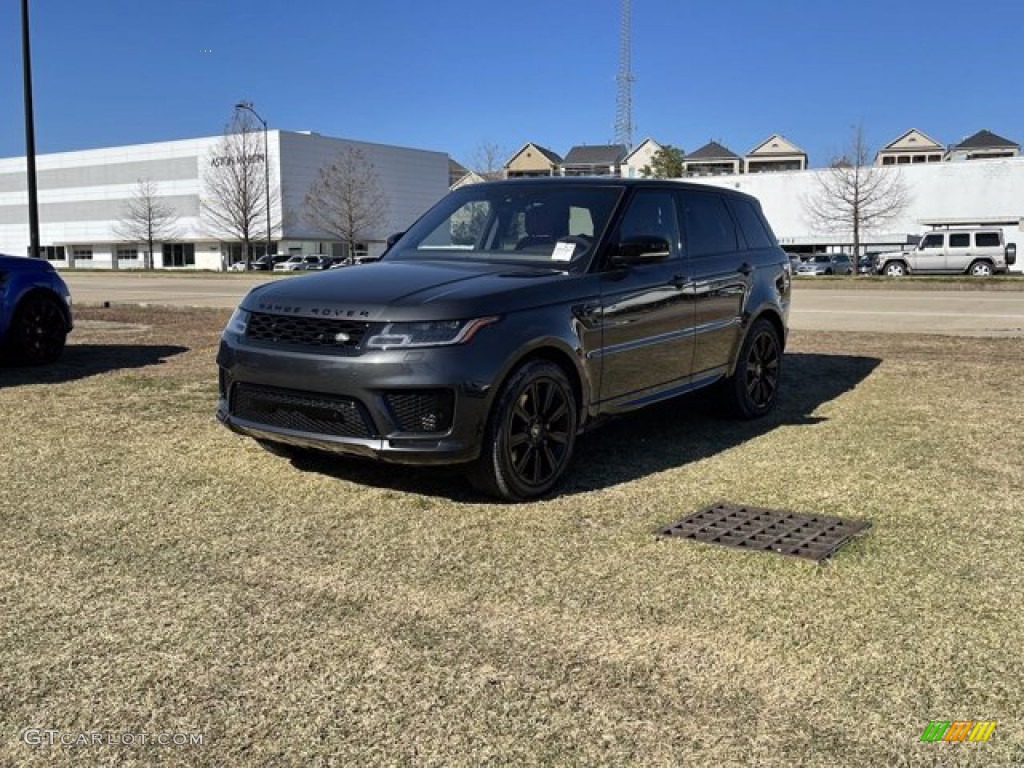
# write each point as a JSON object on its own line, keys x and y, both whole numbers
{"x": 38, "y": 330}
{"x": 530, "y": 434}
{"x": 895, "y": 269}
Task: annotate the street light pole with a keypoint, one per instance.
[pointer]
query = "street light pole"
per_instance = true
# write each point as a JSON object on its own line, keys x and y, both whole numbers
{"x": 30, "y": 137}
{"x": 247, "y": 105}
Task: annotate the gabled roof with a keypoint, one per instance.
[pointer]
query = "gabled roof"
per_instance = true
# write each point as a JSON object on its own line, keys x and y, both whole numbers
{"x": 776, "y": 144}
{"x": 984, "y": 139}
{"x": 643, "y": 144}
{"x": 550, "y": 156}
{"x": 712, "y": 151}
{"x": 919, "y": 139}
{"x": 595, "y": 154}
{"x": 469, "y": 177}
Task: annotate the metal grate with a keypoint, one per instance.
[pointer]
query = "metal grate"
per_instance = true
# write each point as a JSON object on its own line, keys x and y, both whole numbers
{"x": 300, "y": 411}
{"x": 328, "y": 334}
{"x": 771, "y": 530}
{"x": 425, "y": 410}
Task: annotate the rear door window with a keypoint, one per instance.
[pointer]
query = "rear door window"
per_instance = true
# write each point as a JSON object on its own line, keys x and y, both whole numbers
{"x": 751, "y": 225}
{"x": 708, "y": 227}
{"x": 960, "y": 240}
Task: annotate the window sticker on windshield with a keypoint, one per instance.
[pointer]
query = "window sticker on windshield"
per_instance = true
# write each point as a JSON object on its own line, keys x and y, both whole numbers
{"x": 563, "y": 251}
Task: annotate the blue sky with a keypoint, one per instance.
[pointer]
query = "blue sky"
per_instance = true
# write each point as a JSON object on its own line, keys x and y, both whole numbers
{"x": 451, "y": 75}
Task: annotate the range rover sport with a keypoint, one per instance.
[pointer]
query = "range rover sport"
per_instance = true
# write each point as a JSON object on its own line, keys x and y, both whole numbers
{"x": 509, "y": 318}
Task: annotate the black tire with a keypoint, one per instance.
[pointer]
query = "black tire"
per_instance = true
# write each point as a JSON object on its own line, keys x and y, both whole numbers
{"x": 980, "y": 269}
{"x": 753, "y": 388}
{"x": 530, "y": 434}
{"x": 38, "y": 330}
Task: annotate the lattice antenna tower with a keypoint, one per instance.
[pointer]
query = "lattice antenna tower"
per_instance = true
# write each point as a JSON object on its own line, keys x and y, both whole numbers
{"x": 624, "y": 83}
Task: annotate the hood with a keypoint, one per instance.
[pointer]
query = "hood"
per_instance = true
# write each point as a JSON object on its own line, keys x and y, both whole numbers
{"x": 410, "y": 290}
{"x": 24, "y": 263}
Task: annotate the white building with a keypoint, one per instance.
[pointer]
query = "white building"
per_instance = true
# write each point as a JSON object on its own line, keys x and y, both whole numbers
{"x": 981, "y": 192}
{"x": 82, "y": 196}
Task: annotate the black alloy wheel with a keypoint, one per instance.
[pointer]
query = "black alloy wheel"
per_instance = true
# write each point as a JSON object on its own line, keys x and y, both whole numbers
{"x": 38, "y": 330}
{"x": 754, "y": 387}
{"x": 530, "y": 435}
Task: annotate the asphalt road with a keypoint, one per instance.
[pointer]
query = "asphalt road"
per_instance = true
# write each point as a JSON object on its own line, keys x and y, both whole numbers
{"x": 945, "y": 312}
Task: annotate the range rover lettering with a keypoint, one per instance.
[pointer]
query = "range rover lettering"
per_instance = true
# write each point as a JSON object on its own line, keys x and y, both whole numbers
{"x": 509, "y": 318}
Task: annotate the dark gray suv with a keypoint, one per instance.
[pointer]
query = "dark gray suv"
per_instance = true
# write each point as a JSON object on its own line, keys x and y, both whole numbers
{"x": 510, "y": 317}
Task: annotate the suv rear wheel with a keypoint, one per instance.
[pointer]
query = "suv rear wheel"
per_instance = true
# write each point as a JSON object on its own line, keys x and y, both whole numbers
{"x": 980, "y": 269}
{"x": 754, "y": 387}
{"x": 530, "y": 434}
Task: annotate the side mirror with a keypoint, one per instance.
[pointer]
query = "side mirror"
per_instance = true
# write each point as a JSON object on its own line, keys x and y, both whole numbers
{"x": 1011, "y": 254}
{"x": 393, "y": 238}
{"x": 642, "y": 249}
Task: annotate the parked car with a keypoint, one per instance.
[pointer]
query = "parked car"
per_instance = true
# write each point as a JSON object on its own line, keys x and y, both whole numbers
{"x": 510, "y": 317}
{"x": 980, "y": 252}
{"x": 299, "y": 263}
{"x": 35, "y": 310}
{"x": 867, "y": 264}
{"x": 266, "y": 263}
{"x": 794, "y": 261}
{"x": 826, "y": 264}
{"x": 238, "y": 266}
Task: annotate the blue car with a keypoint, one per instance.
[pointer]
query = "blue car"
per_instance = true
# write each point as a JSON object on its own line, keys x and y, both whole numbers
{"x": 35, "y": 311}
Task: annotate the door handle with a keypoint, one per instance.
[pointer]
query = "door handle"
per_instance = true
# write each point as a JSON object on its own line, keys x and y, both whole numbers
{"x": 677, "y": 281}
{"x": 745, "y": 269}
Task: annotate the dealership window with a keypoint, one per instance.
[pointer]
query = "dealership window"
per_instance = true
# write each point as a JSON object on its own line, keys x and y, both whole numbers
{"x": 81, "y": 254}
{"x": 179, "y": 254}
{"x": 49, "y": 252}
{"x": 888, "y": 160}
{"x": 127, "y": 254}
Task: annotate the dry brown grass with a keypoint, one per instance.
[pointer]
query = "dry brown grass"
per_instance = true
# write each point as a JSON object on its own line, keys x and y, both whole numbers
{"x": 160, "y": 574}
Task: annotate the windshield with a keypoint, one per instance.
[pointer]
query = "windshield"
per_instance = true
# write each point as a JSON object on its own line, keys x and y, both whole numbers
{"x": 551, "y": 224}
{"x": 823, "y": 259}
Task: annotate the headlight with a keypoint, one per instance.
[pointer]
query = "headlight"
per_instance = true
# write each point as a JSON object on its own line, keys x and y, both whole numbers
{"x": 434, "y": 333}
{"x": 238, "y": 323}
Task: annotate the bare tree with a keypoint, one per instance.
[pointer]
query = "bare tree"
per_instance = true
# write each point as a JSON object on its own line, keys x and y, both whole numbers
{"x": 145, "y": 219}
{"x": 346, "y": 200}
{"x": 854, "y": 196}
{"x": 489, "y": 160}
{"x": 236, "y": 203}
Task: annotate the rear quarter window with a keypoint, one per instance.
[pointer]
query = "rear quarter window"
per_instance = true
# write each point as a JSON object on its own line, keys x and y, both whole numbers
{"x": 986, "y": 239}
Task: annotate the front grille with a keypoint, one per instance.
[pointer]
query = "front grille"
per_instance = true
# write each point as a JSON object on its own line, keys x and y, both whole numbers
{"x": 301, "y": 411}
{"x": 325, "y": 334}
{"x": 423, "y": 410}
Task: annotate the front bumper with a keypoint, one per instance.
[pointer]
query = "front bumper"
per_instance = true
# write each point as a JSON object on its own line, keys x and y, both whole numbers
{"x": 366, "y": 385}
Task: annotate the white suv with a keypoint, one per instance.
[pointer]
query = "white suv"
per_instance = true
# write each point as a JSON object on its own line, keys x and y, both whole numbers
{"x": 978, "y": 252}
